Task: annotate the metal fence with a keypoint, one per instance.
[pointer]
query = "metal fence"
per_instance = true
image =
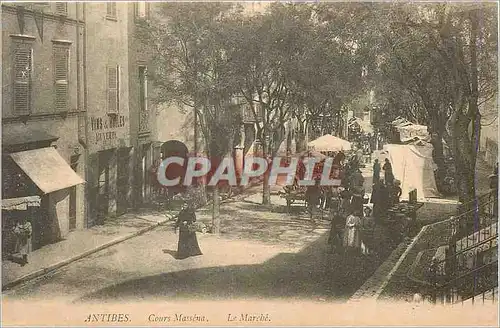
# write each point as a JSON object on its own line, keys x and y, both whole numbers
{"x": 469, "y": 271}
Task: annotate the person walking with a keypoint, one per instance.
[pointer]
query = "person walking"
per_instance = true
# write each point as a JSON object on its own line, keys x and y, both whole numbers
{"x": 379, "y": 200}
{"x": 188, "y": 243}
{"x": 388, "y": 175}
{"x": 376, "y": 171}
{"x": 313, "y": 195}
{"x": 358, "y": 192}
{"x": 23, "y": 231}
{"x": 352, "y": 235}
{"x": 334, "y": 238}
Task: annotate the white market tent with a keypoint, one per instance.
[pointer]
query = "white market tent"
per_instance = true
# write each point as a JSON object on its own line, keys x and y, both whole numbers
{"x": 414, "y": 167}
{"x": 408, "y": 130}
{"x": 329, "y": 143}
{"x": 411, "y": 131}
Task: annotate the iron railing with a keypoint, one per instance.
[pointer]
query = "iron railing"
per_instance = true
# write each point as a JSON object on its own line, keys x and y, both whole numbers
{"x": 471, "y": 261}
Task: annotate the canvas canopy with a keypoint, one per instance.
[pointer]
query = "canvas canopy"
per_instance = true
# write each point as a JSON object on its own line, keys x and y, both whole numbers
{"x": 20, "y": 203}
{"x": 410, "y": 131}
{"x": 414, "y": 167}
{"x": 329, "y": 143}
{"x": 47, "y": 169}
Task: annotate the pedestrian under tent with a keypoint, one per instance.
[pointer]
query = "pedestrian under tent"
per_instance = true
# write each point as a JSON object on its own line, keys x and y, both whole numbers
{"x": 414, "y": 167}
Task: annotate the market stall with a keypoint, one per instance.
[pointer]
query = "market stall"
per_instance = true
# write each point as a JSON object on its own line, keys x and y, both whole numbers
{"x": 329, "y": 143}
{"x": 12, "y": 210}
{"x": 402, "y": 217}
{"x": 296, "y": 193}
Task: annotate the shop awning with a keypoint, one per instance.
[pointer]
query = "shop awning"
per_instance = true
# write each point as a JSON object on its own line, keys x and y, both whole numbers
{"x": 47, "y": 169}
{"x": 20, "y": 203}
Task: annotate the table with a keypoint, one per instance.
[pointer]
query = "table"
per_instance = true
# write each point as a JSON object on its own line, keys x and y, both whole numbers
{"x": 403, "y": 209}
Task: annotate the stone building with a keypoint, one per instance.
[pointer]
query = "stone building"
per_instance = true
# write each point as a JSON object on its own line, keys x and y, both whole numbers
{"x": 76, "y": 128}
{"x": 43, "y": 146}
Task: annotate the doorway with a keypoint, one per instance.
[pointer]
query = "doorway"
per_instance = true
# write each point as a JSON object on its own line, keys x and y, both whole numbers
{"x": 103, "y": 187}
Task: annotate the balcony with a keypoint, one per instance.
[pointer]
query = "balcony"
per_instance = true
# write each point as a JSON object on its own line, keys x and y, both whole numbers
{"x": 144, "y": 124}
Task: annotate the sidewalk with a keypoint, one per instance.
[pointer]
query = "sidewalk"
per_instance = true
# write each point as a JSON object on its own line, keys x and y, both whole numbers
{"x": 82, "y": 243}
{"x": 79, "y": 244}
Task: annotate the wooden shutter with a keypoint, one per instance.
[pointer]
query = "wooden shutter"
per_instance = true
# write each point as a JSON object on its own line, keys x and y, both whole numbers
{"x": 111, "y": 9}
{"x": 23, "y": 67}
{"x": 61, "y": 78}
{"x": 142, "y": 9}
{"x": 113, "y": 89}
{"x": 62, "y": 8}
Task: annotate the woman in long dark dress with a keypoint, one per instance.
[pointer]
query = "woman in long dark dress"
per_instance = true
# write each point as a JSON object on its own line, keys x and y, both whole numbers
{"x": 188, "y": 243}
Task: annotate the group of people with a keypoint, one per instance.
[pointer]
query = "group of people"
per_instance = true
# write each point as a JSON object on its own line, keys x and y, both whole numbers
{"x": 346, "y": 213}
{"x": 386, "y": 192}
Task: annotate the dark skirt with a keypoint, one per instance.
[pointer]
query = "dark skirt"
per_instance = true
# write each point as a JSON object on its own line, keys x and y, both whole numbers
{"x": 188, "y": 245}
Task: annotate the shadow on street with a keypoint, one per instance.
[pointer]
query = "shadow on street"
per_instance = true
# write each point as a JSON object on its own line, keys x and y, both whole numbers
{"x": 310, "y": 274}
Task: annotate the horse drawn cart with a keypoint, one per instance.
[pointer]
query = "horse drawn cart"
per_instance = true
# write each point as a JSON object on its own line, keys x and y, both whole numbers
{"x": 293, "y": 194}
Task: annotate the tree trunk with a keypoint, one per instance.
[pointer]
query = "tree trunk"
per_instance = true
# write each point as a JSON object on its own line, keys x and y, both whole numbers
{"x": 464, "y": 158}
{"x": 266, "y": 190}
{"x": 438, "y": 156}
{"x": 301, "y": 142}
{"x": 216, "y": 222}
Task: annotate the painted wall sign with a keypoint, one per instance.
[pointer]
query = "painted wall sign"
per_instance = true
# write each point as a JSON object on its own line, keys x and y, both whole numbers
{"x": 106, "y": 130}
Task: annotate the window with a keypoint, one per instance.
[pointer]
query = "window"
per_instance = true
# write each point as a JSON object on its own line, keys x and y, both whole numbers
{"x": 141, "y": 9}
{"x": 111, "y": 10}
{"x": 113, "y": 89}
{"x": 23, "y": 74}
{"x": 61, "y": 77}
{"x": 143, "y": 88}
{"x": 62, "y": 8}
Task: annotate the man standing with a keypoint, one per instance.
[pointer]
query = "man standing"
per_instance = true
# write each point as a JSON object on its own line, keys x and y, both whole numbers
{"x": 376, "y": 171}
{"x": 23, "y": 231}
{"x": 388, "y": 176}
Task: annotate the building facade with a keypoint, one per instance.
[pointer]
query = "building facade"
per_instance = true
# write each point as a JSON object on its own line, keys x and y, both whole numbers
{"x": 76, "y": 127}
{"x": 43, "y": 115}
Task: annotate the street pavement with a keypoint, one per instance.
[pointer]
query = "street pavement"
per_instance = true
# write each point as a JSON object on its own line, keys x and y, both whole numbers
{"x": 262, "y": 252}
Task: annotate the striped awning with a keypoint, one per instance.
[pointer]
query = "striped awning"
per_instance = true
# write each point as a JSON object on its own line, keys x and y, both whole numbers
{"x": 20, "y": 203}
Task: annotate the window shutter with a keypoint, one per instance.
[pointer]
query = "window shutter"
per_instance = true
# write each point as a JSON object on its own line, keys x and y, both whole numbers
{"x": 113, "y": 88}
{"x": 61, "y": 66}
{"x": 62, "y": 8}
{"x": 23, "y": 63}
{"x": 111, "y": 9}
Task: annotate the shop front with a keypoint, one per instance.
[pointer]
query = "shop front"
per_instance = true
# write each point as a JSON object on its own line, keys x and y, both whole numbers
{"x": 39, "y": 188}
{"x": 14, "y": 211}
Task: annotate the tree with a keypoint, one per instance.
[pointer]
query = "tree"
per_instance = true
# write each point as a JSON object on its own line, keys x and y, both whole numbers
{"x": 259, "y": 51}
{"x": 442, "y": 58}
{"x": 190, "y": 68}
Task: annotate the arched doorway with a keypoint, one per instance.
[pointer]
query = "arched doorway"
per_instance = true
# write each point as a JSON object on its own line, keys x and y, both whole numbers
{"x": 175, "y": 148}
